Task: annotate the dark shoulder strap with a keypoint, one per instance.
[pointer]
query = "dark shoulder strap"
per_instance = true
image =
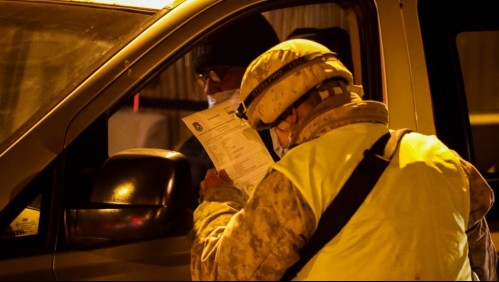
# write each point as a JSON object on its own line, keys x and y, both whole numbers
{"x": 350, "y": 197}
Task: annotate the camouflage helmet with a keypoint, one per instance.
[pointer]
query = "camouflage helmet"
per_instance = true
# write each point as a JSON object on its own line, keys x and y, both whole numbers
{"x": 282, "y": 75}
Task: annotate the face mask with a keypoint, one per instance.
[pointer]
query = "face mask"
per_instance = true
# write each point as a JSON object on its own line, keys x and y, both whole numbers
{"x": 222, "y": 96}
{"x": 278, "y": 149}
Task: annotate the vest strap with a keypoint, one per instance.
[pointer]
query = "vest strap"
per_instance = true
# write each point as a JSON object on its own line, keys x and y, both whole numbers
{"x": 350, "y": 197}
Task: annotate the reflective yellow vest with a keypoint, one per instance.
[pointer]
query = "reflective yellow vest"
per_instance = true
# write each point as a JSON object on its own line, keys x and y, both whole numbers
{"x": 412, "y": 224}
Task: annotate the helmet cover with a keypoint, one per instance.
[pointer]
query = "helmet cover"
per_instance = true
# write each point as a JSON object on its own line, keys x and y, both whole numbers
{"x": 284, "y": 73}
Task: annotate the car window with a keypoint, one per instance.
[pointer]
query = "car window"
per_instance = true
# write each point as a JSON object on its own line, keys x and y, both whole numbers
{"x": 479, "y": 56}
{"x": 153, "y": 118}
{"x": 26, "y": 223}
{"x": 47, "y": 50}
{"x": 28, "y": 229}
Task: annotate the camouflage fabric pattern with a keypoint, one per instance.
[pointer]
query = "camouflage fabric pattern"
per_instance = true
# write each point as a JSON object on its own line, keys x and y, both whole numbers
{"x": 258, "y": 242}
{"x": 483, "y": 254}
{"x": 259, "y": 238}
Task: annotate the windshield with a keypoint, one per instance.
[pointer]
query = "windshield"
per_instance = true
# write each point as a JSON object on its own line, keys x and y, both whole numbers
{"x": 48, "y": 49}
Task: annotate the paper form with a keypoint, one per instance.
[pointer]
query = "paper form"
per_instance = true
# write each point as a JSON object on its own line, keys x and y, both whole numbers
{"x": 231, "y": 144}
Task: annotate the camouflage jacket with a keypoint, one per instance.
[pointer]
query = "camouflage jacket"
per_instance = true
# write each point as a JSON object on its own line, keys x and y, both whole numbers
{"x": 236, "y": 238}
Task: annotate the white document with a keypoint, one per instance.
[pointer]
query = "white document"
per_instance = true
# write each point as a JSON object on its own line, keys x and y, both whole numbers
{"x": 231, "y": 144}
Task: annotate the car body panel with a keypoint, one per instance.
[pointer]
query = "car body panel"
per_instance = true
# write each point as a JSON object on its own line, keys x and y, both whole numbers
{"x": 404, "y": 67}
{"x": 36, "y": 267}
{"x": 162, "y": 259}
{"x": 151, "y": 4}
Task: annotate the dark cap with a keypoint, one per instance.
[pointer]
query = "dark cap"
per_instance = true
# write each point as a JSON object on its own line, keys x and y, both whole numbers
{"x": 236, "y": 45}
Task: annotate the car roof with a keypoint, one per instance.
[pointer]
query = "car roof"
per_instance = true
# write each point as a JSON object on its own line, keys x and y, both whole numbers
{"x": 146, "y": 4}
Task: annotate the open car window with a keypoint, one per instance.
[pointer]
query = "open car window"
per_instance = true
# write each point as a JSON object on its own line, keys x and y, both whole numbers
{"x": 153, "y": 117}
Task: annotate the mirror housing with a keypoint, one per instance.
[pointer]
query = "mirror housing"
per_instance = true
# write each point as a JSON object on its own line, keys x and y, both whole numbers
{"x": 138, "y": 194}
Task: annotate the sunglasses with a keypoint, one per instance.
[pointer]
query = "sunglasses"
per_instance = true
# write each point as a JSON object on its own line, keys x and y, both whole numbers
{"x": 214, "y": 74}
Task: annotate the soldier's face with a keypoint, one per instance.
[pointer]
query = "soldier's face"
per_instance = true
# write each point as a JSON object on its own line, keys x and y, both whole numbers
{"x": 221, "y": 78}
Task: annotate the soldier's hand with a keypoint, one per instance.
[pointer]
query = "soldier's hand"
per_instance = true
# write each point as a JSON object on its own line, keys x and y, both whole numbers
{"x": 215, "y": 179}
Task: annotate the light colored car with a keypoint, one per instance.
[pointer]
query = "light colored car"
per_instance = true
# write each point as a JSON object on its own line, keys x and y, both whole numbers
{"x": 92, "y": 94}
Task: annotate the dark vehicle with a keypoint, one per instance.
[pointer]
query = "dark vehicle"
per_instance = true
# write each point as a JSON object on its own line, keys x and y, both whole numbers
{"x": 92, "y": 94}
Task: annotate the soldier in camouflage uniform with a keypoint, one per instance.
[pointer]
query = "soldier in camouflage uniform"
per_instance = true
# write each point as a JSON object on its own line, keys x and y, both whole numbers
{"x": 423, "y": 220}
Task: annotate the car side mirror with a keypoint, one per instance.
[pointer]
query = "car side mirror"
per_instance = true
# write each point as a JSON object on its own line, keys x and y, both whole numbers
{"x": 138, "y": 194}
